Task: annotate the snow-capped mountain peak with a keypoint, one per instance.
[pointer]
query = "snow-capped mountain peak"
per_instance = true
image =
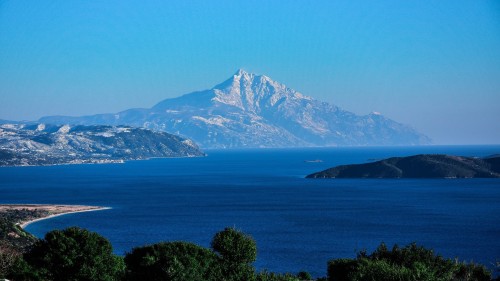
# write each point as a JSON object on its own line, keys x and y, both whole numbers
{"x": 251, "y": 92}
{"x": 241, "y": 73}
{"x": 250, "y": 110}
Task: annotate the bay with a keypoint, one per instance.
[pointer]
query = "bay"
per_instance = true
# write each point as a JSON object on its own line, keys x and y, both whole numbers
{"x": 297, "y": 223}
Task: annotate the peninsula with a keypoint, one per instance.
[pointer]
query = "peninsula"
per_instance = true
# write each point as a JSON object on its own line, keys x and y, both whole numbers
{"x": 15, "y": 217}
{"x": 40, "y": 144}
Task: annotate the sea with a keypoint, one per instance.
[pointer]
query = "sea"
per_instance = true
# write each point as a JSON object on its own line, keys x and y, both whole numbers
{"x": 298, "y": 224}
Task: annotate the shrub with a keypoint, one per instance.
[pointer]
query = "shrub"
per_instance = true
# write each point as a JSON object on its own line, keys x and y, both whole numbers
{"x": 8, "y": 257}
{"x": 341, "y": 269}
{"x": 175, "y": 261}
{"x": 411, "y": 263}
{"x": 73, "y": 254}
{"x": 270, "y": 276}
{"x": 304, "y": 275}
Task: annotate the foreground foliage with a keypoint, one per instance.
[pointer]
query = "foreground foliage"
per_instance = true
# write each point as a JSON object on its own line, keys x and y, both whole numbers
{"x": 70, "y": 254}
{"x": 236, "y": 253}
{"x": 231, "y": 258}
{"x": 411, "y": 263}
{"x": 171, "y": 261}
{"x": 77, "y": 254}
{"x": 8, "y": 257}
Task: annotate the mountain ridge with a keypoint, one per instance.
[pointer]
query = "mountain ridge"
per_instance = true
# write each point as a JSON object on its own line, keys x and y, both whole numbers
{"x": 249, "y": 110}
{"x": 44, "y": 144}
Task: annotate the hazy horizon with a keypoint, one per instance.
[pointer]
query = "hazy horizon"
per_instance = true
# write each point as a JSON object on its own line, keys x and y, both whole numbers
{"x": 432, "y": 65}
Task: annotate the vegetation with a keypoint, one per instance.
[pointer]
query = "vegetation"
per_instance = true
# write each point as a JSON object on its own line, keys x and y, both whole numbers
{"x": 70, "y": 254}
{"x": 78, "y": 254}
{"x": 418, "y": 166}
{"x": 404, "y": 264}
{"x": 11, "y": 234}
{"x": 13, "y": 239}
{"x": 231, "y": 259}
{"x": 8, "y": 257}
{"x": 237, "y": 251}
{"x": 303, "y": 275}
{"x": 271, "y": 276}
{"x": 179, "y": 261}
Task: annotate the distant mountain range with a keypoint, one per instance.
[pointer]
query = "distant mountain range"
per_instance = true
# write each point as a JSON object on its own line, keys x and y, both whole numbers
{"x": 419, "y": 166}
{"x": 40, "y": 144}
{"x": 249, "y": 110}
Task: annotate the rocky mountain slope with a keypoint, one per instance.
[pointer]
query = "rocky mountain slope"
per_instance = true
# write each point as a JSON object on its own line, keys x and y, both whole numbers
{"x": 418, "y": 166}
{"x": 40, "y": 144}
{"x": 249, "y": 110}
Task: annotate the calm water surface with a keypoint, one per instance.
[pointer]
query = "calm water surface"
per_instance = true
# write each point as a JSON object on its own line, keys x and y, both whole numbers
{"x": 298, "y": 224}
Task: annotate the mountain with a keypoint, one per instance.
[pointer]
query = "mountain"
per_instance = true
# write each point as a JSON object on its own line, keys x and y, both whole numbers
{"x": 418, "y": 166}
{"x": 40, "y": 144}
{"x": 249, "y": 110}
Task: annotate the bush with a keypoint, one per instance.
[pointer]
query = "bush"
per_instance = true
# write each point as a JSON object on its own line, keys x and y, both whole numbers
{"x": 175, "y": 261}
{"x": 72, "y": 254}
{"x": 270, "y": 276}
{"x": 341, "y": 269}
{"x": 21, "y": 270}
{"x": 8, "y": 257}
{"x": 304, "y": 275}
{"x": 411, "y": 263}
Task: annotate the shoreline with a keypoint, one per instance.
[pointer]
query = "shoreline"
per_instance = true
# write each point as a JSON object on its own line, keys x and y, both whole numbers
{"x": 53, "y": 210}
{"x": 23, "y": 225}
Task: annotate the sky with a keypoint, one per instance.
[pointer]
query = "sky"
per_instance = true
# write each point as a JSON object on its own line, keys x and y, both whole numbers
{"x": 434, "y": 65}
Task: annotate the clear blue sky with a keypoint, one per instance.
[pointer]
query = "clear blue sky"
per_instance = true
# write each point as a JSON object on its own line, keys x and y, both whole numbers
{"x": 432, "y": 64}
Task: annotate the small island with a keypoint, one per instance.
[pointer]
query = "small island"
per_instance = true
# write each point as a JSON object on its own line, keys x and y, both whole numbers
{"x": 418, "y": 166}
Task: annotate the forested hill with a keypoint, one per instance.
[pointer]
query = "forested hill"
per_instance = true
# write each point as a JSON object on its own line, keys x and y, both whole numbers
{"x": 419, "y": 166}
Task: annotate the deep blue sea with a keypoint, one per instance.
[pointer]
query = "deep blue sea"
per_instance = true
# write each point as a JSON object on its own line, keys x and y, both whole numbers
{"x": 298, "y": 224}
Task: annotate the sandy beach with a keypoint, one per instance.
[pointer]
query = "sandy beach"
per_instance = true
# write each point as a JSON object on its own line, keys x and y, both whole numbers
{"x": 51, "y": 210}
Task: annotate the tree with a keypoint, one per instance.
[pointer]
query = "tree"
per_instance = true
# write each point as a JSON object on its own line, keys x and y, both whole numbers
{"x": 341, "y": 269}
{"x": 74, "y": 254}
{"x": 171, "y": 261}
{"x": 271, "y": 276}
{"x": 8, "y": 257}
{"x": 21, "y": 270}
{"x": 304, "y": 275}
{"x": 411, "y": 263}
{"x": 237, "y": 253}
{"x": 234, "y": 245}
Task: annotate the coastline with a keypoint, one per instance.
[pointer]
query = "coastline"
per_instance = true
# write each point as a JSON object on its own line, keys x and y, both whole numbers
{"x": 25, "y": 224}
{"x": 51, "y": 209}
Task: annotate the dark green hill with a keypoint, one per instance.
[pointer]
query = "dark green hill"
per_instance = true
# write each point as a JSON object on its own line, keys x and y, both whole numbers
{"x": 418, "y": 166}
{"x": 11, "y": 233}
